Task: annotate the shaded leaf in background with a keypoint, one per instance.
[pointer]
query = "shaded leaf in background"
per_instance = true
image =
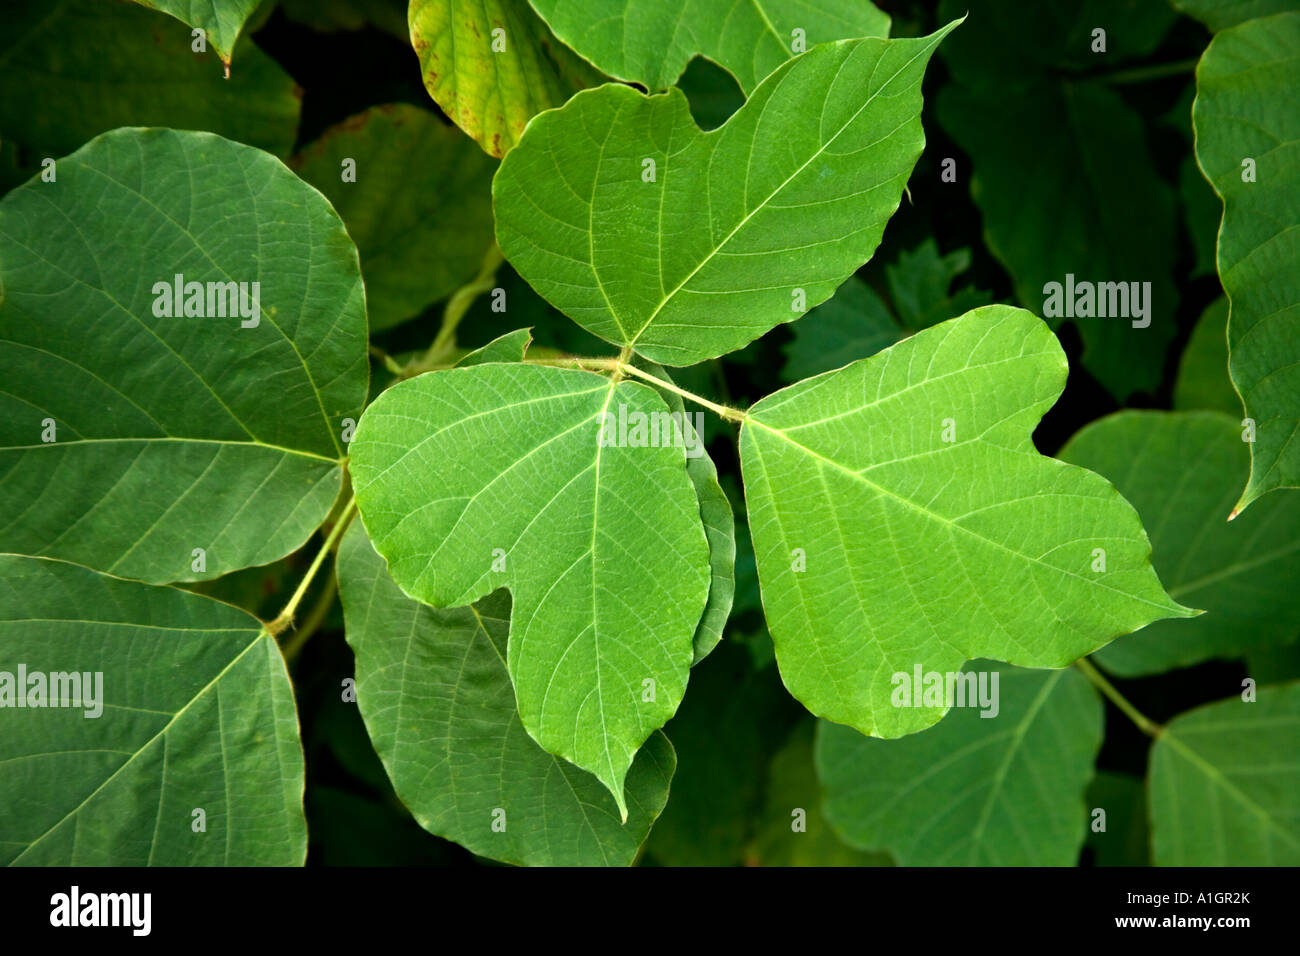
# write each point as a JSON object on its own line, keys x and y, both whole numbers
{"x": 852, "y": 325}
{"x": 197, "y": 711}
{"x": 793, "y": 795}
{"x": 1127, "y": 838}
{"x": 331, "y": 16}
{"x": 1061, "y": 170}
{"x": 1224, "y": 785}
{"x": 220, "y": 20}
{"x": 1247, "y": 83}
{"x": 510, "y": 347}
{"x": 494, "y": 476}
{"x": 1006, "y": 790}
{"x": 433, "y": 688}
{"x": 1220, "y": 14}
{"x": 650, "y": 41}
{"x": 732, "y": 718}
{"x": 349, "y": 830}
{"x": 420, "y": 209}
{"x": 79, "y": 67}
{"x": 919, "y": 284}
{"x": 712, "y": 93}
{"x": 492, "y": 95}
{"x": 734, "y": 247}
{"x": 882, "y": 546}
{"x": 173, "y": 433}
{"x": 1201, "y": 214}
{"x": 1274, "y": 664}
{"x": 1181, "y": 470}
{"x": 1203, "y": 381}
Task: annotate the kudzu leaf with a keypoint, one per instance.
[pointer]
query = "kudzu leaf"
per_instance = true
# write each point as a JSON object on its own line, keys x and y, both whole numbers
{"x": 1220, "y": 14}
{"x": 852, "y": 325}
{"x": 719, "y": 528}
{"x": 901, "y": 518}
{"x": 1125, "y": 839}
{"x": 712, "y": 92}
{"x": 418, "y": 207}
{"x": 332, "y": 16}
{"x": 732, "y": 717}
{"x": 494, "y": 476}
{"x": 173, "y": 447}
{"x": 1224, "y": 786}
{"x": 1248, "y": 145}
{"x": 792, "y": 828}
{"x": 435, "y": 693}
{"x": 1274, "y": 664}
{"x": 220, "y": 20}
{"x": 1062, "y": 174}
{"x": 348, "y": 830}
{"x": 651, "y": 41}
{"x": 510, "y": 347}
{"x": 1181, "y": 471}
{"x": 1203, "y": 380}
{"x": 75, "y": 69}
{"x": 192, "y": 710}
{"x": 732, "y": 246}
{"x": 492, "y": 93}
{"x": 919, "y": 285}
{"x": 1005, "y": 790}
{"x": 1201, "y": 213}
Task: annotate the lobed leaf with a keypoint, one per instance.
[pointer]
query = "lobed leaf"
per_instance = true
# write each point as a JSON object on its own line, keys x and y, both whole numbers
{"x": 901, "y": 518}
{"x": 494, "y": 476}
{"x": 733, "y": 246}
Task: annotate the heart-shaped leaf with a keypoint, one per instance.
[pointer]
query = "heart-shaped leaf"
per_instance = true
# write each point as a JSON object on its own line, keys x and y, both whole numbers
{"x": 165, "y": 436}
{"x": 165, "y": 733}
{"x": 433, "y": 688}
{"x": 732, "y": 244}
{"x": 495, "y": 476}
{"x": 1224, "y": 786}
{"x": 651, "y": 41}
{"x": 999, "y": 786}
{"x": 901, "y": 518}
{"x": 1181, "y": 471}
{"x": 492, "y": 65}
{"x": 1248, "y": 145}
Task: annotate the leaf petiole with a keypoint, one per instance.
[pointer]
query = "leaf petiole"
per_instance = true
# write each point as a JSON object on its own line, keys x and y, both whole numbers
{"x": 284, "y": 620}
{"x": 1144, "y": 723}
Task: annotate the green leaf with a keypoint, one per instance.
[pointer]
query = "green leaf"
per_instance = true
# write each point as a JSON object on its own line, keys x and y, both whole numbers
{"x": 220, "y": 20}
{"x": 332, "y": 16}
{"x": 496, "y": 476}
{"x": 1201, "y": 213}
{"x": 1224, "y": 783}
{"x": 794, "y": 800}
{"x": 1126, "y": 839}
{"x": 853, "y": 324}
{"x": 919, "y": 286}
{"x": 433, "y": 688}
{"x": 492, "y": 95}
{"x": 1181, "y": 470}
{"x": 732, "y": 247}
{"x": 173, "y": 433}
{"x": 195, "y": 712}
{"x": 75, "y": 69}
{"x": 1245, "y": 84}
{"x": 1220, "y": 14}
{"x": 719, "y": 527}
{"x": 510, "y": 347}
{"x": 419, "y": 210}
{"x": 729, "y": 722}
{"x": 1061, "y": 171}
{"x": 1006, "y": 790}
{"x": 1203, "y": 380}
{"x": 651, "y": 41}
{"x": 1274, "y": 664}
{"x": 882, "y": 547}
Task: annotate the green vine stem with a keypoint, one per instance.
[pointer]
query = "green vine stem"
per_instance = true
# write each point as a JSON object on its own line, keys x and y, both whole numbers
{"x": 1144, "y": 723}
{"x": 445, "y": 342}
{"x": 284, "y": 620}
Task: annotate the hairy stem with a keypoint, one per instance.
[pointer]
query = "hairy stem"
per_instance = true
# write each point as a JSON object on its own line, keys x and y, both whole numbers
{"x": 284, "y": 620}
{"x": 315, "y": 618}
{"x": 1144, "y": 723}
{"x": 1141, "y": 74}
{"x": 455, "y": 310}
